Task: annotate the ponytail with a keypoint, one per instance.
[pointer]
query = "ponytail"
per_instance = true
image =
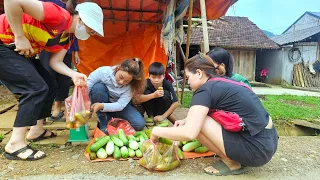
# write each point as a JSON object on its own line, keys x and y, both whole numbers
{"x": 229, "y": 67}
{"x": 219, "y": 56}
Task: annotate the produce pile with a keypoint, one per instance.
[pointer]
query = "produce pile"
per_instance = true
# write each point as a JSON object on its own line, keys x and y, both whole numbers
{"x": 120, "y": 146}
{"x": 117, "y": 146}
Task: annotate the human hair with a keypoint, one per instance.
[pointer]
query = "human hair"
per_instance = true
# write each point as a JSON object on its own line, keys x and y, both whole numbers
{"x": 71, "y": 6}
{"x": 220, "y": 55}
{"x": 135, "y": 68}
{"x": 202, "y": 62}
{"x": 156, "y": 68}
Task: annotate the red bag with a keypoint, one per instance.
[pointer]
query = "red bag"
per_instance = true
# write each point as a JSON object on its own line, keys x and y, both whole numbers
{"x": 116, "y": 123}
{"x": 228, "y": 120}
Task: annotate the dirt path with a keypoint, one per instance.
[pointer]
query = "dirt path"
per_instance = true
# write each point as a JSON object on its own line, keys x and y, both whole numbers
{"x": 296, "y": 158}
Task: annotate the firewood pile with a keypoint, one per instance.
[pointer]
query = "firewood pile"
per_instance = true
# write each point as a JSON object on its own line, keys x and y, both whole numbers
{"x": 303, "y": 78}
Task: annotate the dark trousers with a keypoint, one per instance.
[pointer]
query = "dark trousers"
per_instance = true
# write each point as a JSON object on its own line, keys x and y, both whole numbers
{"x": 62, "y": 81}
{"x": 100, "y": 94}
{"x": 27, "y": 78}
{"x": 157, "y": 106}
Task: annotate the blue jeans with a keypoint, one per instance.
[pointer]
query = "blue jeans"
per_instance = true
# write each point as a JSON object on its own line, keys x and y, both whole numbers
{"x": 100, "y": 94}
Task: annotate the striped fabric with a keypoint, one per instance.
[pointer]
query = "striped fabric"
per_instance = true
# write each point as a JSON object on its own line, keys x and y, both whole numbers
{"x": 47, "y": 34}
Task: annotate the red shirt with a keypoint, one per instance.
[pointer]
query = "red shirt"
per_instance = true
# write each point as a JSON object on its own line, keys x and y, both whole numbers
{"x": 46, "y": 34}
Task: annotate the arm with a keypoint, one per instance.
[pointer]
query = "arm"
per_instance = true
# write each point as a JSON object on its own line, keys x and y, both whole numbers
{"x": 190, "y": 130}
{"x": 122, "y": 102}
{"x": 98, "y": 75}
{"x": 57, "y": 64}
{"x": 14, "y": 10}
{"x": 144, "y": 98}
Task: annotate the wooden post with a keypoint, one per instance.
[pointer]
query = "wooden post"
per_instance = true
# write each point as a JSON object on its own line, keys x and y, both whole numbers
{"x": 204, "y": 26}
{"x": 187, "y": 46}
{"x": 175, "y": 68}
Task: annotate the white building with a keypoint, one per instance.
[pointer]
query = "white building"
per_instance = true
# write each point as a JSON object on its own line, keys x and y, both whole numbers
{"x": 299, "y": 43}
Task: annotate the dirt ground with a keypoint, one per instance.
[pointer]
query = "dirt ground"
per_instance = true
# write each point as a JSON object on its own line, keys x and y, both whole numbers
{"x": 296, "y": 158}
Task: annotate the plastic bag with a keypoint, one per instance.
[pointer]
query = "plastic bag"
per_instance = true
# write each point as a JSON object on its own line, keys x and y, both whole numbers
{"x": 78, "y": 107}
{"x": 116, "y": 123}
{"x": 159, "y": 157}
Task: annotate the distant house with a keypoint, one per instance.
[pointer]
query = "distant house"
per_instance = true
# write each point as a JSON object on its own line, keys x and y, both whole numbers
{"x": 299, "y": 43}
{"x": 239, "y": 36}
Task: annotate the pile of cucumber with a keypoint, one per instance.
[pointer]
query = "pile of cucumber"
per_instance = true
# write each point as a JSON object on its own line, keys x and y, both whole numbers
{"x": 118, "y": 146}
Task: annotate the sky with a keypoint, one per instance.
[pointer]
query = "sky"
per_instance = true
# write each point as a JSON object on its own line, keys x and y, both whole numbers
{"x": 273, "y": 15}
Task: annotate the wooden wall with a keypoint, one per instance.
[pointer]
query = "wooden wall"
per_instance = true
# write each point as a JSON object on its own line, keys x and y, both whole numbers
{"x": 244, "y": 63}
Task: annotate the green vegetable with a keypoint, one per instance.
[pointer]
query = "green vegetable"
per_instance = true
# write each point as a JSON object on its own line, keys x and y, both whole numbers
{"x": 124, "y": 152}
{"x": 102, "y": 154}
{"x": 99, "y": 144}
{"x": 116, "y": 153}
{"x": 191, "y": 146}
{"x": 149, "y": 120}
{"x": 142, "y": 139}
{"x": 131, "y": 137}
{"x": 138, "y": 133}
{"x": 138, "y": 153}
{"x": 201, "y": 149}
{"x": 133, "y": 145}
{"x": 122, "y": 137}
{"x": 92, "y": 156}
{"x": 97, "y": 139}
{"x": 144, "y": 135}
{"x": 110, "y": 147}
{"x": 165, "y": 141}
{"x": 132, "y": 153}
{"x": 117, "y": 141}
{"x": 164, "y": 123}
{"x": 180, "y": 154}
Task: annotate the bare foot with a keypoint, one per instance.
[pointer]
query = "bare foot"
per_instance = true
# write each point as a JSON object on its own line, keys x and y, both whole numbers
{"x": 232, "y": 165}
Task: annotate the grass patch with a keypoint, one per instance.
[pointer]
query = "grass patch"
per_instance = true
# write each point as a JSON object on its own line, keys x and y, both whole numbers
{"x": 283, "y": 107}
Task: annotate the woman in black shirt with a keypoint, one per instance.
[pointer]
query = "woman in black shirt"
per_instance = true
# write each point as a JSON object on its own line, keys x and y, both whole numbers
{"x": 254, "y": 146}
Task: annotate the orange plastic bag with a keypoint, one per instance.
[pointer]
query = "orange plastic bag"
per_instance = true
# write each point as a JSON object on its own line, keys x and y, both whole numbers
{"x": 159, "y": 156}
{"x": 116, "y": 123}
{"x": 78, "y": 107}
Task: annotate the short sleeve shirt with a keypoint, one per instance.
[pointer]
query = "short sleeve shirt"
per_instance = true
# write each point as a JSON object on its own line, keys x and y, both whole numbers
{"x": 167, "y": 87}
{"x": 233, "y": 98}
{"x": 46, "y": 34}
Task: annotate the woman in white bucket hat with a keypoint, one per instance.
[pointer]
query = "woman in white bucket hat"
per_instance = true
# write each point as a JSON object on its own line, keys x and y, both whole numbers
{"x": 27, "y": 28}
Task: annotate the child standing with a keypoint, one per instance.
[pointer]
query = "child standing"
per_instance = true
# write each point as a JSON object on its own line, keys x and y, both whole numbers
{"x": 111, "y": 88}
{"x": 159, "y": 99}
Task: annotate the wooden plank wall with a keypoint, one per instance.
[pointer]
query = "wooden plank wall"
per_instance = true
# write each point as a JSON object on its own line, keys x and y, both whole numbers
{"x": 244, "y": 63}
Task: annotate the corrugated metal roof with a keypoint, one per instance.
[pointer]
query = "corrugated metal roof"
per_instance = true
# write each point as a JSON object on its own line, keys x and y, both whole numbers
{"x": 296, "y": 35}
{"x": 315, "y": 13}
{"x": 233, "y": 32}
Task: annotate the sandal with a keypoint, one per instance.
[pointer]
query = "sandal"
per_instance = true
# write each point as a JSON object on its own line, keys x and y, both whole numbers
{"x": 57, "y": 118}
{"x": 224, "y": 170}
{"x": 14, "y": 155}
{"x": 42, "y": 137}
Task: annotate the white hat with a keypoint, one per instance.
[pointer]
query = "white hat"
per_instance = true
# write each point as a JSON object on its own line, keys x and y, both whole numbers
{"x": 92, "y": 16}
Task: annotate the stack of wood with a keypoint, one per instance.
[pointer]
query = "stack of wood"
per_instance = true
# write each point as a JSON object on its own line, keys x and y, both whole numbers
{"x": 303, "y": 78}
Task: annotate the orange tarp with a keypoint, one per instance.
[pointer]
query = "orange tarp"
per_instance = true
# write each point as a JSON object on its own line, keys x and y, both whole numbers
{"x": 127, "y": 40}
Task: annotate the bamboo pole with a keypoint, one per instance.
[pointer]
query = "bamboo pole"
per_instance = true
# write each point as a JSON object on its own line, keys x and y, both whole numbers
{"x": 204, "y": 26}
{"x": 187, "y": 46}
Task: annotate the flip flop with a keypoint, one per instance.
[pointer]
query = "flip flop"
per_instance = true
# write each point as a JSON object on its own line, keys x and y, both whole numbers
{"x": 14, "y": 155}
{"x": 58, "y": 118}
{"x": 42, "y": 137}
{"x": 224, "y": 169}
